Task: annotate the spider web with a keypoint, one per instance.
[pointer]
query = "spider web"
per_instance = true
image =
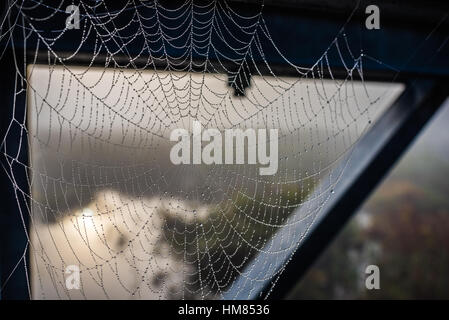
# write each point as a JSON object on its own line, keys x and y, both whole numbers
{"x": 103, "y": 195}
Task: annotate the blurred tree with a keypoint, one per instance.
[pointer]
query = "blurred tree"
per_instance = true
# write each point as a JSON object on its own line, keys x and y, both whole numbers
{"x": 409, "y": 222}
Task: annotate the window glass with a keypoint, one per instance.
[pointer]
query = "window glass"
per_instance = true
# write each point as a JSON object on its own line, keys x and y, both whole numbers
{"x": 109, "y": 202}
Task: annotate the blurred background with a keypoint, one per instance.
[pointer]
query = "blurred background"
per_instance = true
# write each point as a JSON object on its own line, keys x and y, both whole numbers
{"x": 403, "y": 228}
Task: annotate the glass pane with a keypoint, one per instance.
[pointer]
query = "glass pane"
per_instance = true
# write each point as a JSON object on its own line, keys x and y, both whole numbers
{"x": 108, "y": 200}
